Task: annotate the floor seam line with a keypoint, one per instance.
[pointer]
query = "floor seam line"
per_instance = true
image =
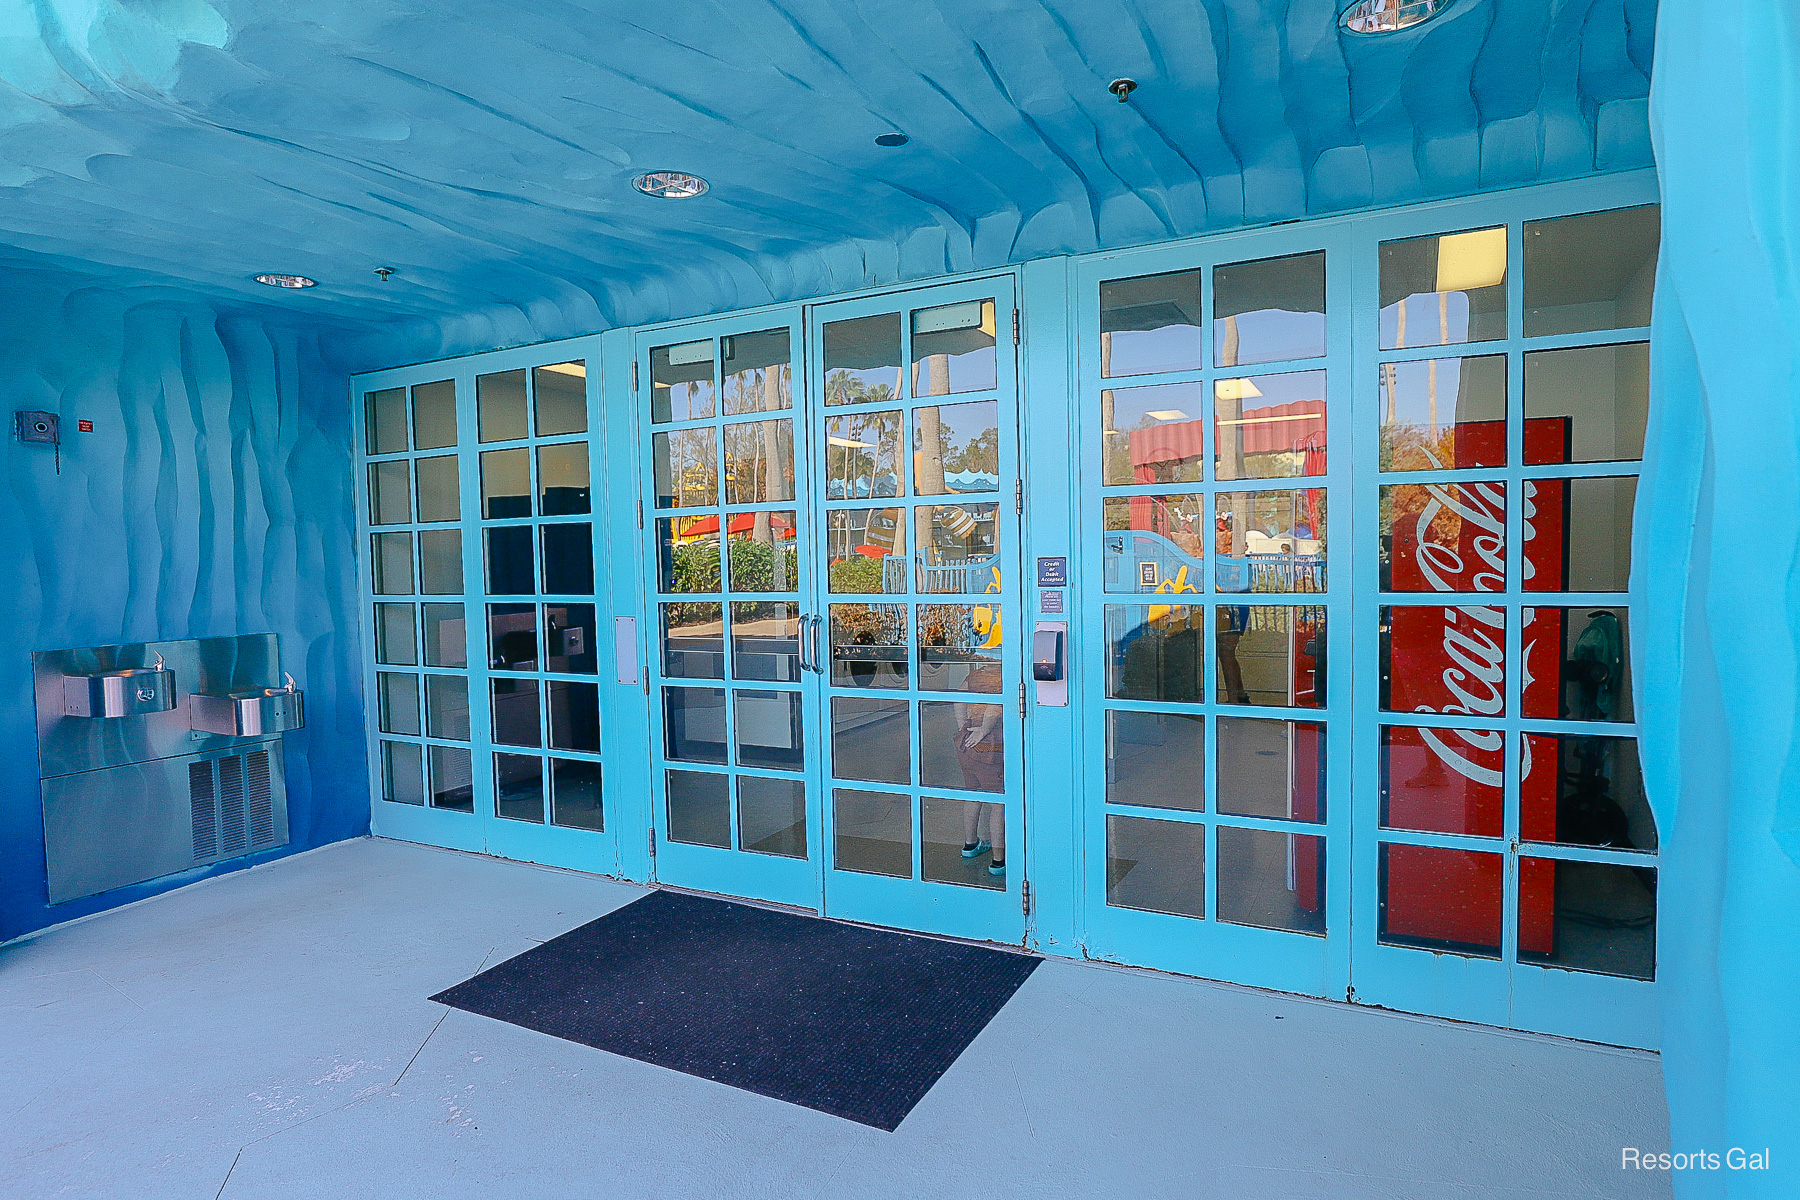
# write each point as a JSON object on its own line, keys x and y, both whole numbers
{"x": 228, "y": 1171}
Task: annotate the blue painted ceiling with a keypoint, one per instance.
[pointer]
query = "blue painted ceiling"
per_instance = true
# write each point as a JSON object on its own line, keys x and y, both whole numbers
{"x": 485, "y": 149}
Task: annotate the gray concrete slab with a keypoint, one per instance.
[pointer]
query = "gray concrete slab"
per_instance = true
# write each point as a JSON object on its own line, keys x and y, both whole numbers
{"x": 266, "y": 1034}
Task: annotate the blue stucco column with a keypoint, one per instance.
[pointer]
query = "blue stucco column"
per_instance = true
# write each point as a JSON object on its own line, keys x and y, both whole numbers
{"x": 1717, "y": 584}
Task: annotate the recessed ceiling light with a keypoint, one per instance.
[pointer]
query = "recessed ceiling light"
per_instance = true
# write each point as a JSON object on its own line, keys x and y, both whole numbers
{"x": 1389, "y": 16}
{"x": 287, "y": 281}
{"x": 891, "y": 139}
{"x": 670, "y": 185}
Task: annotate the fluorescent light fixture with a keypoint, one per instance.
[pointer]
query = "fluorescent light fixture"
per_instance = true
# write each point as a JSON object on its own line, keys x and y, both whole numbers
{"x": 1236, "y": 389}
{"x": 577, "y": 369}
{"x": 968, "y": 315}
{"x": 287, "y": 281}
{"x": 1466, "y": 261}
{"x": 671, "y": 185}
{"x": 1274, "y": 420}
{"x": 689, "y": 353}
{"x": 1167, "y": 414}
{"x": 850, "y": 443}
{"x": 1376, "y": 17}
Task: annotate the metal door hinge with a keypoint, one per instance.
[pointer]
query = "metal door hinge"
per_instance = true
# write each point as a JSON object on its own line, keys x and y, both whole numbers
{"x": 640, "y": 510}
{"x": 1021, "y": 701}
{"x": 1025, "y": 898}
{"x": 653, "y": 841}
{"x": 1015, "y": 326}
{"x": 634, "y": 382}
{"x": 1019, "y": 496}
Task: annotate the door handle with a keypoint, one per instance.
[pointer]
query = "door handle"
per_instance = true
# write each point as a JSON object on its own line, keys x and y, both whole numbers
{"x": 818, "y": 624}
{"x": 800, "y": 638}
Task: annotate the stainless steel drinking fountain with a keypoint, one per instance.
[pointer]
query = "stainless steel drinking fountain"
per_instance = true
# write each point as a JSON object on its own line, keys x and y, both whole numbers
{"x": 130, "y": 692}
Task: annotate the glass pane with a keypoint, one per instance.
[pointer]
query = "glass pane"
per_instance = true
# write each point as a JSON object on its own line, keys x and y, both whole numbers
{"x": 1587, "y": 404}
{"x": 765, "y": 641}
{"x": 512, "y": 637}
{"x": 1444, "y": 289}
{"x": 516, "y": 712}
{"x": 681, "y": 381}
{"x": 687, "y": 467}
{"x": 452, "y": 778}
{"x": 509, "y": 566}
{"x": 575, "y": 795}
{"x": 1577, "y": 664}
{"x": 1270, "y": 541}
{"x": 402, "y": 773}
{"x": 1435, "y": 898}
{"x": 1150, "y": 324}
{"x": 866, "y": 549}
{"x": 390, "y": 493}
{"x": 1586, "y": 916}
{"x": 393, "y": 563}
{"x": 758, "y": 374}
{"x": 862, "y": 359}
{"x": 568, "y": 559}
{"x": 958, "y": 547}
{"x": 574, "y": 715}
{"x": 761, "y": 552}
{"x": 1159, "y": 866}
{"x": 519, "y": 787}
{"x": 959, "y": 647}
{"x": 1273, "y": 769}
{"x": 1443, "y": 780}
{"x": 772, "y": 815}
{"x": 1269, "y": 310}
{"x": 440, "y": 562}
{"x": 699, "y": 808}
{"x": 561, "y": 393}
{"x": 399, "y": 702}
{"x": 1155, "y": 543}
{"x": 1594, "y": 271}
{"x": 953, "y": 348}
{"x": 694, "y": 725}
{"x": 1444, "y": 660}
{"x": 1271, "y": 880}
{"x": 447, "y": 707}
{"x": 963, "y": 842}
{"x": 569, "y": 639}
{"x": 956, "y": 448}
{"x": 1279, "y": 435}
{"x": 768, "y": 728}
{"x": 868, "y": 645}
{"x": 394, "y": 636}
{"x": 500, "y": 406}
{"x": 873, "y": 832}
{"x": 434, "y": 415}
{"x": 1444, "y": 537}
{"x": 1578, "y": 534}
{"x": 1271, "y": 655}
{"x": 862, "y": 455}
{"x": 759, "y": 461}
{"x": 693, "y": 641}
{"x": 1156, "y": 760}
{"x": 1584, "y": 791}
{"x": 870, "y": 740}
{"x": 1443, "y": 413}
{"x": 1156, "y": 652}
{"x": 385, "y": 412}
{"x": 687, "y": 554}
{"x": 506, "y": 483}
{"x": 1152, "y": 434}
{"x": 446, "y": 636}
{"x": 962, "y": 745}
{"x": 563, "y": 488}
{"x": 440, "y": 491}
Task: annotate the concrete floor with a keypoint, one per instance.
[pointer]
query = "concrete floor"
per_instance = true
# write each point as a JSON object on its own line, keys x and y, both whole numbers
{"x": 266, "y": 1034}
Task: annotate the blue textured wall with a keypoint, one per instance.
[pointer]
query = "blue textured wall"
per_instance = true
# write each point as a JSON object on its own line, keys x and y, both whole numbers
{"x": 1718, "y": 659}
{"x": 213, "y": 497}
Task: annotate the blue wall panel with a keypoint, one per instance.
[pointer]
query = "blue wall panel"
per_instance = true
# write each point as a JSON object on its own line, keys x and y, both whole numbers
{"x": 213, "y": 497}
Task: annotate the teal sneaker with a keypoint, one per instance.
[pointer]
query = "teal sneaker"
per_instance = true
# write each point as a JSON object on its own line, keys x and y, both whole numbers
{"x": 977, "y": 848}
{"x": 997, "y": 867}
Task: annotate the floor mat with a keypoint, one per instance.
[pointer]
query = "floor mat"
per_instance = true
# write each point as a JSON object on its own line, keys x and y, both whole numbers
{"x": 854, "y": 1022}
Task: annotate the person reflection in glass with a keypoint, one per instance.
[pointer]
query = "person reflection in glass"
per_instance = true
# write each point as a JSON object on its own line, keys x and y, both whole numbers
{"x": 980, "y": 752}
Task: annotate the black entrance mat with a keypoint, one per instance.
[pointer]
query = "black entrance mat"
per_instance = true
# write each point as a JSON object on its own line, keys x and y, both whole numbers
{"x": 854, "y": 1022}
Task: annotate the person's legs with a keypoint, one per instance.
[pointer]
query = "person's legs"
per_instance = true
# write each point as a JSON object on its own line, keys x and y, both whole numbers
{"x": 973, "y": 842}
{"x": 996, "y": 831}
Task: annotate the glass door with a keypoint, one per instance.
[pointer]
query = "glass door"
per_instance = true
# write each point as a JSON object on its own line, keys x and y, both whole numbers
{"x": 914, "y": 438}
{"x": 730, "y": 562}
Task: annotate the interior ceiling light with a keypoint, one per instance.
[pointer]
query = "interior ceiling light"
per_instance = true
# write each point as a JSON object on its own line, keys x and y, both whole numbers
{"x": 1389, "y": 16}
{"x": 891, "y": 139}
{"x": 670, "y": 185}
{"x": 287, "y": 281}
